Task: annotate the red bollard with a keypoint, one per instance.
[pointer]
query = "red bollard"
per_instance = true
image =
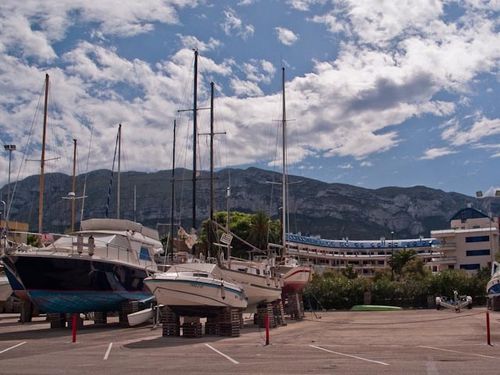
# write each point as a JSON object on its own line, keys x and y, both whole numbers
{"x": 488, "y": 335}
{"x": 73, "y": 326}
{"x": 266, "y": 322}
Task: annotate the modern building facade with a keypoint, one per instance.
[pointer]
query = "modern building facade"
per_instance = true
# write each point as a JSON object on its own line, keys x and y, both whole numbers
{"x": 471, "y": 243}
{"x": 365, "y": 257}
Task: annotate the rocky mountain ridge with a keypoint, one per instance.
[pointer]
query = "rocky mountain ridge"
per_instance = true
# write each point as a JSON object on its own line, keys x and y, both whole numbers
{"x": 330, "y": 210}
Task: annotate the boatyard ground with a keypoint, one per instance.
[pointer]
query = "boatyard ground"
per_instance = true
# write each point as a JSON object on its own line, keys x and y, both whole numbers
{"x": 391, "y": 342}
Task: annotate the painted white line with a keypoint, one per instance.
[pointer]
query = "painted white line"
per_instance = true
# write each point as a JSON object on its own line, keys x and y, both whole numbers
{"x": 458, "y": 352}
{"x": 349, "y": 355}
{"x": 222, "y": 354}
{"x": 12, "y": 347}
{"x": 108, "y": 351}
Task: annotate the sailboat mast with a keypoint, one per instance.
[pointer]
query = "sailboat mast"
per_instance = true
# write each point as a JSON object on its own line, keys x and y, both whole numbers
{"x": 195, "y": 131}
{"x": 172, "y": 198}
{"x": 42, "y": 159}
{"x": 210, "y": 230}
{"x": 118, "y": 185}
{"x": 73, "y": 188}
{"x": 284, "y": 177}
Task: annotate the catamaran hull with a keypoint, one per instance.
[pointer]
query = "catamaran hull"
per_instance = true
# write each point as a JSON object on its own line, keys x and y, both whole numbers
{"x": 69, "y": 284}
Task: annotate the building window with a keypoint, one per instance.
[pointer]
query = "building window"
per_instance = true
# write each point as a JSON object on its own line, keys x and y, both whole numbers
{"x": 472, "y": 253}
{"x": 477, "y": 239}
{"x": 470, "y": 267}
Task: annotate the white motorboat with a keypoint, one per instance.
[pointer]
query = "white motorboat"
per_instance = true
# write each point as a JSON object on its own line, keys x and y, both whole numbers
{"x": 196, "y": 289}
{"x": 96, "y": 269}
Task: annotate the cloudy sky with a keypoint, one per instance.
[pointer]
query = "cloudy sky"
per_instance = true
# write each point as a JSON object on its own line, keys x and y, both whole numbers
{"x": 379, "y": 92}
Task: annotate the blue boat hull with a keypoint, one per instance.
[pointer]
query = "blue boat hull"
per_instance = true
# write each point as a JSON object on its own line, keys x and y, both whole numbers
{"x": 82, "y": 301}
{"x": 71, "y": 284}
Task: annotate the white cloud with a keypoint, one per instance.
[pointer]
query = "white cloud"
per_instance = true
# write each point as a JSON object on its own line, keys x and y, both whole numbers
{"x": 303, "y": 5}
{"x": 366, "y": 163}
{"x": 34, "y": 25}
{"x": 345, "y": 166}
{"x": 234, "y": 25}
{"x": 245, "y": 88}
{"x": 286, "y": 36}
{"x": 385, "y": 74}
{"x": 192, "y": 42}
{"x": 482, "y": 128}
{"x": 259, "y": 70}
{"x": 434, "y": 153}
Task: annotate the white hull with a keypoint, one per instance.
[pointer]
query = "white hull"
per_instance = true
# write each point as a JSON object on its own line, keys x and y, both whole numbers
{"x": 296, "y": 278}
{"x": 5, "y": 289}
{"x": 140, "y": 317}
{"x": 188, "y": 293}
{"x": 258, "y": 289}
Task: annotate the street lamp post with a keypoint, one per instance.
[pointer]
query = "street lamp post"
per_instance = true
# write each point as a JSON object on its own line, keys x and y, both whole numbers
{"x": 9, "y": 148}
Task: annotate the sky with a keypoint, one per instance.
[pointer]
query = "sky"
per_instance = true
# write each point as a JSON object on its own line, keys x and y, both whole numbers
{"x": 378, "y": 92}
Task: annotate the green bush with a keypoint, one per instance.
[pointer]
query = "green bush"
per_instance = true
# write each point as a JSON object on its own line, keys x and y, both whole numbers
{"x": 413, "y": 286}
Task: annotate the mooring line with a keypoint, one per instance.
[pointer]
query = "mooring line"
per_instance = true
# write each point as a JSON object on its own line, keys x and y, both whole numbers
{"x": 222, "y": 354}
{"x": 349, "y": 355}
{"x": 13, "y": 347}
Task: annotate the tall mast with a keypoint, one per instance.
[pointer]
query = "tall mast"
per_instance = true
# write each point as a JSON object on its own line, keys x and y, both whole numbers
{"x": 210, "y": 230}
{"x": 73, "y": 189}
{"x": 42, "y": 159}
{"x": 195, "y": 131}
{"x": 172, "y": 198}
{"x": 118, "y": 185}
{"x": 284, "y": 177}
{"x": 135, "y": 202}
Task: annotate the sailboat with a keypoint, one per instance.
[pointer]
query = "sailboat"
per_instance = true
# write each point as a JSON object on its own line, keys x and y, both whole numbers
{"x": 95, "y": 269}
{"x": 295, "y": 276}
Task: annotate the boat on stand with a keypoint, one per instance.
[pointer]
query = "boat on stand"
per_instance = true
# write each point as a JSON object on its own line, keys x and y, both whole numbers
{"x": 93, "y": 270}
{"x": 196, "y": 289}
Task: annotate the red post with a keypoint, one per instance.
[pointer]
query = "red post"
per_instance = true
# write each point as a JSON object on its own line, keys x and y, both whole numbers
{"x": 266, "y": 322}
{"x": 73, "y": 326}
{"x": 488, "y": 335}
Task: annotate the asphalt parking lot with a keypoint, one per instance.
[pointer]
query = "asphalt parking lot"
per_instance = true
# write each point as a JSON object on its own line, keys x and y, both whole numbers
{"x": 394, "y": 342}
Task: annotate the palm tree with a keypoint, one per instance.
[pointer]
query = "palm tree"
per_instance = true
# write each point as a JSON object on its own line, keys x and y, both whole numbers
{"x": 259, "y": 230}
{"x": 400, "y": 258}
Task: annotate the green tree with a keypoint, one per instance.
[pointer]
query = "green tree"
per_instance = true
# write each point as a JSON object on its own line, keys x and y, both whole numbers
{"x": 400, "y": 258}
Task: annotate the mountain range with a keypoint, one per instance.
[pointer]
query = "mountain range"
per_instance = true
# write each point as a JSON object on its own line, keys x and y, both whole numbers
{"x": 330, "y": 210}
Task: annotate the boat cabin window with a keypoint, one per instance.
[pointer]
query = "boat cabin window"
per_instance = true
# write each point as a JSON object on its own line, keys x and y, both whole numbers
{"x": 242, "y": 269}
{"x": 200, "y": 274}
{"x": 144, "y": 254}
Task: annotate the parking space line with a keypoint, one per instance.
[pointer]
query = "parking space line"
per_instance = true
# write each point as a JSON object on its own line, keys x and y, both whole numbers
{"x": 349, "y": 355}
{"x": 222, "y": 354}
{"x": 12, "y": 347}
{"x": 458, "y": 352}
{"x": 108, "y": 351}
